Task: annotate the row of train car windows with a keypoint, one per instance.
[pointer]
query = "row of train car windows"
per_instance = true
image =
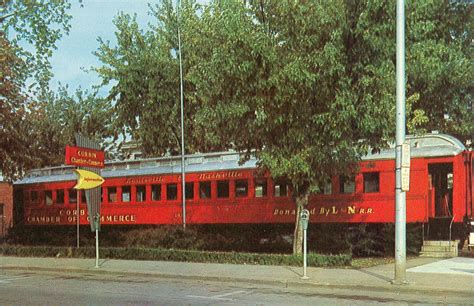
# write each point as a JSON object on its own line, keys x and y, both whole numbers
{"x": 223, "y": 191}
{"x": 241, "y": 190}
{"x": 347, "y": 184}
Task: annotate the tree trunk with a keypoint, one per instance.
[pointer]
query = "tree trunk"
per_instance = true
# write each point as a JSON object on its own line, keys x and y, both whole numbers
{"x": 301, "y": 203}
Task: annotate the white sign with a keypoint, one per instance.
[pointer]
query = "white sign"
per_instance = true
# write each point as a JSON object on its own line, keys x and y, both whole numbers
{"x": 406, "y": 154}
{"x": 405, "y": 178}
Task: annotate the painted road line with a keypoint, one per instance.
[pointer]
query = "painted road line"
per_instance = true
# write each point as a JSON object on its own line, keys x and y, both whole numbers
{"x": 6, "y": 280}
{"x": 227, "y": 294}
{"x": 219, "y": 297}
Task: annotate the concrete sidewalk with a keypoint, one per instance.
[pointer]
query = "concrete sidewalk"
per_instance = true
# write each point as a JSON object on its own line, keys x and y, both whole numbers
{"x": 423, "y": 274}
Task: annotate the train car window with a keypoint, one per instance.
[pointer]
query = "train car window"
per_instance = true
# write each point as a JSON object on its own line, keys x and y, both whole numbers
{"x": 112, "y": 194}
{"x": 141, "y": 193}
{"x": 189, "y": 191}
{"x": 325, "y": 187}
{"x": 172, "y": 192}
{"x": 371, "y": 182}
{"x": 48, "y": 197}
{"x": 26, "y": 195}
{"x": 450, "y": 180}
{"x": 83, "y": 196}
{"x": 260, "y": 188}
{"x": 346, "y": 184}
{"x": 126, "y": 193}
{"x": 34, "y": 196}
{"x": 280, "y": 189}
{"x": 222, "y": 189}
{"x": 156, "y": 192}
{"x": 205, "y": 190}
{"x": 72, "y": 194}
{"x": 60, "y": 196}
{"x": 241, "y": 188}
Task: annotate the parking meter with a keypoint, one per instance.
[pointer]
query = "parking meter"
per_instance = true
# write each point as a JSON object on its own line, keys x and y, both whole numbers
{"x": 305, "y": 218}
{"x": 97, "y": 224}
{"x": 96, "y": 219}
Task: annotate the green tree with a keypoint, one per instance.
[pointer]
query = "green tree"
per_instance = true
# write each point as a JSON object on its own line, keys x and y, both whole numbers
{"x": 33, "y": 27}
{"x": 12, "y": 114}
{"x": 440, "y": 68}
{"x": 59, "y": 116}
{"x": 300, "y": 88}
{"x": 144, "y": 70}
{"x": 29, "y": 30}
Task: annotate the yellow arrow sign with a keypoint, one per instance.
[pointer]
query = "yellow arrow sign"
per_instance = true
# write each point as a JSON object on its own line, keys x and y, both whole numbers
{"x": 87, "y": 179}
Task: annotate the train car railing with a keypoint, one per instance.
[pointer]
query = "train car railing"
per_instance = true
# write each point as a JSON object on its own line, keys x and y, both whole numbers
{"x": 450, "y": 230}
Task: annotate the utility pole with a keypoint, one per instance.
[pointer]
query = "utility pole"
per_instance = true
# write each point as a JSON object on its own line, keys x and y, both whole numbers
{"x": 400, "y": 194}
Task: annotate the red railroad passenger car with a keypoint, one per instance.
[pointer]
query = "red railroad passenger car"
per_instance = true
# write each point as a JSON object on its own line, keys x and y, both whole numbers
{"x": 219, "y": 190}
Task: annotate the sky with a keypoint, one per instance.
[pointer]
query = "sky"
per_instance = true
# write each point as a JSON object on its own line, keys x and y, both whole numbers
{"x": 75, "y": 51}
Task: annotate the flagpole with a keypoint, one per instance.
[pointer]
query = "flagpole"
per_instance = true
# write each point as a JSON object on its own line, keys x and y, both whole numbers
{"x": 78, "y": 214}
{"x": 183, "y": 172}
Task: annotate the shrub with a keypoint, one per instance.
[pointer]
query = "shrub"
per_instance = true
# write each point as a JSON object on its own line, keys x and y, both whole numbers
{"x": 371, "y": 239}
{"x": 357, "y": 239}
{"x": 314, "y": 260}
{"x": 164, "y": 237}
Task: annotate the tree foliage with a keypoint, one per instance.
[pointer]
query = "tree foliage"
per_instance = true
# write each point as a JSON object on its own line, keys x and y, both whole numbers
{"x": 59, "y": 116}
{"x": 33, "y": 27}
{"x": 440, "y": 68}
{"x": 29, "y": 30}
{"x": 12, "y": 113}
{"x": 144, "y": 69}
{"x": 300, "y": 88}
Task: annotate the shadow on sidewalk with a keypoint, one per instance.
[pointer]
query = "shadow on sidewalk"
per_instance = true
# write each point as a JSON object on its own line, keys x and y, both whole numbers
{"x": 376, "y": 275}
{"x": 293, "y": 270}
{"x": 464, "y": 270}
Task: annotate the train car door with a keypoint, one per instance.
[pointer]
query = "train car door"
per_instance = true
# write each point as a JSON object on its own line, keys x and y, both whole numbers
{"x": 471, "y": 192}
{"x": 18, "y": 207}
{"x": 441, "y": 191}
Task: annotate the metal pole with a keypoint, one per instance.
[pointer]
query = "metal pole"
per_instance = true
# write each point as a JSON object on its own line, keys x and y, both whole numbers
{"x": 97, "y": 248}
{"x": 183, "y": 172}
{"x": 78, "y": 215}
{"x": 400, "y": 196}
{"x": 304, "y": 255}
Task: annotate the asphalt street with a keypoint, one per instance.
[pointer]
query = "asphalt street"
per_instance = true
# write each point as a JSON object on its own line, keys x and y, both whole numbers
{"x": 76, "y": 281}
{"x": 59, "y": 288}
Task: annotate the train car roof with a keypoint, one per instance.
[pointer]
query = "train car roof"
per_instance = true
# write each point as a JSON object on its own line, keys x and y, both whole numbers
{"x": 150, "y": 166}
{"x": 430, "y": 145}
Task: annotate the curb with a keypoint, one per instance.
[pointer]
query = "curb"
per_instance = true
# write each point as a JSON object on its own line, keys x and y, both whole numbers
{"x": 385, "y": 287}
